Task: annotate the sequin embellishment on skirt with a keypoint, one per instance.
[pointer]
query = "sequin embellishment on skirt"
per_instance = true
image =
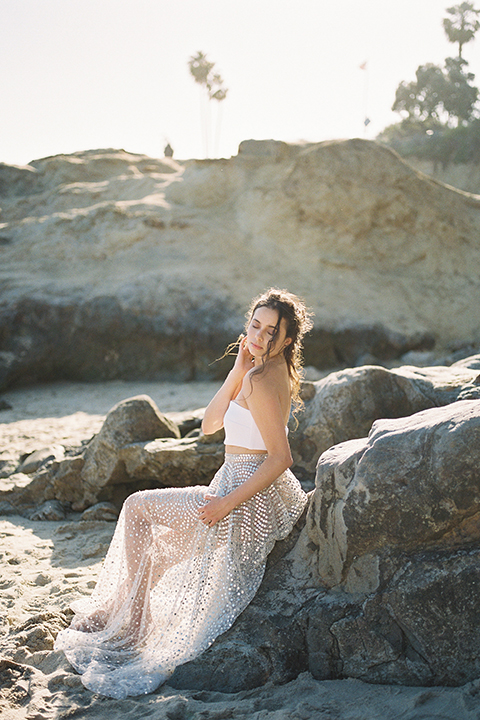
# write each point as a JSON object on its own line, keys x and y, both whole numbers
{"x": 170, "y": 585}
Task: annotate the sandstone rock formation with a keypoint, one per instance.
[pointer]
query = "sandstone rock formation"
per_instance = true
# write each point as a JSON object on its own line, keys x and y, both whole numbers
{"x": 107, "y": 258}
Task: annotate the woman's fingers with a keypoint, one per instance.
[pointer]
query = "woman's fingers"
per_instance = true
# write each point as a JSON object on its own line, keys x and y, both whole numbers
{"x": 205, "y": 516}
{"x": 212, "y": 511}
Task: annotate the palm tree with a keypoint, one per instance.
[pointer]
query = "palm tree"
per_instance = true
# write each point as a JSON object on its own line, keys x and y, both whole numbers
{"x": 463, "y": 24}
{"x": 203, "y": 73}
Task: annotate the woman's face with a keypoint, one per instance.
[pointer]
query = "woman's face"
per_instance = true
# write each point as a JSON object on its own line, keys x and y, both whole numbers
{"x": 261, "y": 330}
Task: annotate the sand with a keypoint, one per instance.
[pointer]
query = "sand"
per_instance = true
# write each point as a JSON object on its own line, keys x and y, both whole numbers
{"x": 46, "y": 565}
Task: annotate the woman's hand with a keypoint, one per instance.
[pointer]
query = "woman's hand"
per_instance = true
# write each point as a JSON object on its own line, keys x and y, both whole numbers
{"x": 214, "y": 510}
{"x": 243, "y": 361}
{"x": 216, "y": 409}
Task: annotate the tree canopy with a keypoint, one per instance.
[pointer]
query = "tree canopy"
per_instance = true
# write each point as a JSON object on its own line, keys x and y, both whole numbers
{"x": 462, "y": 25}
{"x": 438, "y": 96}
{"x": 203, "y": 73}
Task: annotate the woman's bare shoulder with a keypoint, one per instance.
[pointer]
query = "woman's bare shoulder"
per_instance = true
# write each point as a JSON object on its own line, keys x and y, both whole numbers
{"x": 273, "y": 379}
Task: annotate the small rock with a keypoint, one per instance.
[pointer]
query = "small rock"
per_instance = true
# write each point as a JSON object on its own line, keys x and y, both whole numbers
{"x": 8, "y": 465}
{"x": 42, "y": 580}
{"x": 94, "y": 550}
{"x": 39, "y": 457}
{"x": 49, "y": 510}
{"x": 4, "y": 405}
{"x": 101, "y": 511}
{"x": 134, "y": 420}
{"x": 307, "y": 391}
{"x": 187, "y": 421}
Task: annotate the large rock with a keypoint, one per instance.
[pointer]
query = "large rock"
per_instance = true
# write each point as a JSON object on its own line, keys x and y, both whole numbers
{"x": 409, "y": 485}
{"x": 175, "y": 463}
{"x": 136, "y": 419}
{"x": 137, "y": 448}
{"x": 163, "y": 462}
{"x": 422, "y": 629}
{"x": 388, "y": 259}
{"x": 344, "y": 405}
{"x": 98, "y": 471}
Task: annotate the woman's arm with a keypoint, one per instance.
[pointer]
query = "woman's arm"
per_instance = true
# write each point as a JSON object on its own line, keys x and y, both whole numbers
{"x": 216, "y": 409}
{"x": 264, "y": 404}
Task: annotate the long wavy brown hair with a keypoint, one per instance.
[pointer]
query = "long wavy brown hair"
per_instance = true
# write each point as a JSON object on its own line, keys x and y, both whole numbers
{"x": 298, "y": 322}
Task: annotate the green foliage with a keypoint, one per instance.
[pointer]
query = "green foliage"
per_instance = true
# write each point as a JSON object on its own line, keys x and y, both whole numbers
{"x": 439, "y": 95}
{"x": 460, "y": 94}
{"x": 438, "y": 144}
{"x": 462, "y": 25}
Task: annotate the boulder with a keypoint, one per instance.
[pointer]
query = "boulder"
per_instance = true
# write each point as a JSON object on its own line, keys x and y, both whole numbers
{"x": 344, "y": 404}
{"x": 133, "y": 420}
{"x": 137, "y": 448}
{"x": 97, "y": 472}
{"x": 175, "y": 463}
{"x": 421, "y": 629}
{"x": 407, "y": 486}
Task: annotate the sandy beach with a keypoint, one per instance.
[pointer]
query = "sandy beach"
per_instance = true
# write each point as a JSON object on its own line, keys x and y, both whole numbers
{"x": 46, "y": 565}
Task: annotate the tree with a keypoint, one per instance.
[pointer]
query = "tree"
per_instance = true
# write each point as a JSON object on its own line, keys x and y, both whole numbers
{"x": 460, "y": 95}
{"x": 203, "y": 73}
{"x": 439, "y": 96}
{"x": 422, "y": 99}
{"x": 462, "y": 25}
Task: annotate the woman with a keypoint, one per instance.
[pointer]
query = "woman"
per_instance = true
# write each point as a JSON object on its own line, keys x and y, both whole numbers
{"x": 185, "y": 562}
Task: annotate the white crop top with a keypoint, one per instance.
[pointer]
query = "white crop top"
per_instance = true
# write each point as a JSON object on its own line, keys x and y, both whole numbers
{"x": 241, "y": 429}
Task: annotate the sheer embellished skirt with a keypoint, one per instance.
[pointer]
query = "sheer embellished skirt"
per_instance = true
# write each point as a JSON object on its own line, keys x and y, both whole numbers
{"x": 170, "y": 585}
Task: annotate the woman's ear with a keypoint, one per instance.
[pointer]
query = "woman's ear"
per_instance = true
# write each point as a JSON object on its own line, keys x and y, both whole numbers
{"x": 287, "y": 342}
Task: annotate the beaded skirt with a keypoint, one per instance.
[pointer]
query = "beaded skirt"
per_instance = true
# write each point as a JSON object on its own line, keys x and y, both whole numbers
{"x": 170, "y": 585}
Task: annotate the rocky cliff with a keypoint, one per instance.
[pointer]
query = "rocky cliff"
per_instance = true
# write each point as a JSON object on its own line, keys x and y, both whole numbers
{"x": 119, "y": 265}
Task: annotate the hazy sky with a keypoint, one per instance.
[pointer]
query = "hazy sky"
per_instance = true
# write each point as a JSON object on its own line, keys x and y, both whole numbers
{"x": 82, "y": 74}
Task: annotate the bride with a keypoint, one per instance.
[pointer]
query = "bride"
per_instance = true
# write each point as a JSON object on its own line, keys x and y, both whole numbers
{"x": 185, "y": 562}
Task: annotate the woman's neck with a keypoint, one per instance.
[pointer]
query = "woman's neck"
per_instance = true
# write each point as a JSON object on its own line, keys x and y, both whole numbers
{"x": 278, "y": 359}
